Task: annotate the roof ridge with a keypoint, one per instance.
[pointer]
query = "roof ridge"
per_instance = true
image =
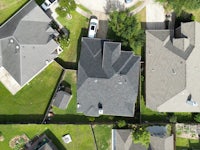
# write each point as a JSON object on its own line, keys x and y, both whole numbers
{"x": 125, "y": 63}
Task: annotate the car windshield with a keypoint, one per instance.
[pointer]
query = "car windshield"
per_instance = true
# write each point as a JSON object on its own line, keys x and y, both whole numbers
{"x": 46, "y": 4}
{"x": 92, "y": 27}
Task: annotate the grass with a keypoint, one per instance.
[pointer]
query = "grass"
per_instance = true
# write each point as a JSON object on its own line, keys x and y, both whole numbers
{"x": 183, "y": 143}
{"x": 34, "y": 97}
{"x": 103, "y": 136}
{"x": 135, "y": 6}
{"x": 76, "y": 26}
{"x": 84, "y": 8}
{"x": 81, "y": 135}
{"x": 141, "y": 17}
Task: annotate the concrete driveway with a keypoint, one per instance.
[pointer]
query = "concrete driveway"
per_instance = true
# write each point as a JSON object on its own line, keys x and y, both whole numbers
{"x": 155, "y": 15}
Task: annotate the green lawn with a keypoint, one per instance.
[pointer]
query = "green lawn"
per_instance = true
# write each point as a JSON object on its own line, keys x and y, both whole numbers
{"x": 103, "y": 136}
{"x": 8, "y": 7}
{"x": 81, "y": 135}
{"x": 183, "y": 143}
{"x": 33, "y": 98}
{"x": 78, "y": 27}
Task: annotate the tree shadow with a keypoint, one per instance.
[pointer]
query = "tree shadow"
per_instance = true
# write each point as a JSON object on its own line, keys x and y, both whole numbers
{"x": 82, "y": 34}
{"x": 183, "y": 17}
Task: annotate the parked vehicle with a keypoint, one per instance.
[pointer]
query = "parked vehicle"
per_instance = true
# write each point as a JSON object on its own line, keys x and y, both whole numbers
{"x": 92, "y": 31}
{"x": 48, "y": 3}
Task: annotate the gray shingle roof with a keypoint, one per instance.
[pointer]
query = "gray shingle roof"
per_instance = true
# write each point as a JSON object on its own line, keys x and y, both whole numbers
{"x": 26, "y": 43}
{"x": 172, "y": 68}
{"x": 107, "y": 76}
{"x": 164, "y": 143}
{"x": 62, "y": 99}
{"x": 122, "y": 139}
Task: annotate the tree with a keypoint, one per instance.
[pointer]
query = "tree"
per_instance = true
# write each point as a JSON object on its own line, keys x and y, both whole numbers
{"x": 197, "y": 117}
{"x": 66, "y": 6}
{"x": 121, "y": 123}
{"x": 179, "y": 5}
{"x": 125, "y": 28}
{"x": 142, "y": 136}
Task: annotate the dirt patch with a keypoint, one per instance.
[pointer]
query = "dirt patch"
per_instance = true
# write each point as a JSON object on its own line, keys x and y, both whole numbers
{"x": 18, "y": 141}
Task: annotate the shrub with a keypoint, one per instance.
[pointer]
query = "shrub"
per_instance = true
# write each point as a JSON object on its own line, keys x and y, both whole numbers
{"x": 142, "y": 136}
{"x": 121, "y": 123}
{"x": 197, "y": 117}
{"x": 173, "y": 119}
{"x": 91, "y": 119}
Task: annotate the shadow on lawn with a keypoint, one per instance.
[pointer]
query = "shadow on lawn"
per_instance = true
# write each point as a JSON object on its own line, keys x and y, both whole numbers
{"x": 21, "y": 119}
{"x": 54, "y": 139}
{"x": 81, "y": 119}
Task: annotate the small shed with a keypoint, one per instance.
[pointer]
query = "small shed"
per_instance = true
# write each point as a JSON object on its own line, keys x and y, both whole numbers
{"x": 67, "y": 138}
{"x": 62, "y": 99}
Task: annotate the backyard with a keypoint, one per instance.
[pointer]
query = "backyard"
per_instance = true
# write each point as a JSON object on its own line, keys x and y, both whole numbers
{"x": 81, "y": 135}
{"x": 183, "y": 143}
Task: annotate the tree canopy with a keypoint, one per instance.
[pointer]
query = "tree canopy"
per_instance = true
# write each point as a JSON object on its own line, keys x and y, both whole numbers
{"x": 197, "y": 117}
{"x": 66, "y": 6}
{"x": 179, "y": 5}
{"x": 125, "y": 28}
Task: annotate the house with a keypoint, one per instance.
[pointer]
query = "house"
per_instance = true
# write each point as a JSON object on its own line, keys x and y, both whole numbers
{"x": 107, "y": 79}
{"x": 62, "y": 99}
{"x": 159, "y": 140}
{"x": 122, "y": 140}
{"x": 41, "y": 142}
{"x": 172, "y": 69}
{"x": 27, "y": 46}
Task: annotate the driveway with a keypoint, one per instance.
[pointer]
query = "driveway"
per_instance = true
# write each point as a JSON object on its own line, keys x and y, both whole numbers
{"x": 105, "y": 5}
{"x": 155, "y": 15}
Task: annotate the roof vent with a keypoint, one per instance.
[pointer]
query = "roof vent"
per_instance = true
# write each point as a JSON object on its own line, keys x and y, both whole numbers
{"x": 95, "y": 80}
{"x": 120, "y": 82}
{"x": 11, "y": 41}
{"x": 100, "y": 106}
{"x": 173, "y": 71}
{"x": 17, "y": 47}
{"x": 152, "y": 69}
{"x": 47, "y": 62}
{"x": 100, "y": 111}
{"x": 78, "y": 105}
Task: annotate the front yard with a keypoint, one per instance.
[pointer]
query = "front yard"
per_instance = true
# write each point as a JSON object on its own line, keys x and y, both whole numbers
{"x": 78, "y": 27}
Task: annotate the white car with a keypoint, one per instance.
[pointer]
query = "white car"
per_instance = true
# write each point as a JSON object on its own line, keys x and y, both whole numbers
{"x": 48, "y": 3}
{"x": 92, "y": 31}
